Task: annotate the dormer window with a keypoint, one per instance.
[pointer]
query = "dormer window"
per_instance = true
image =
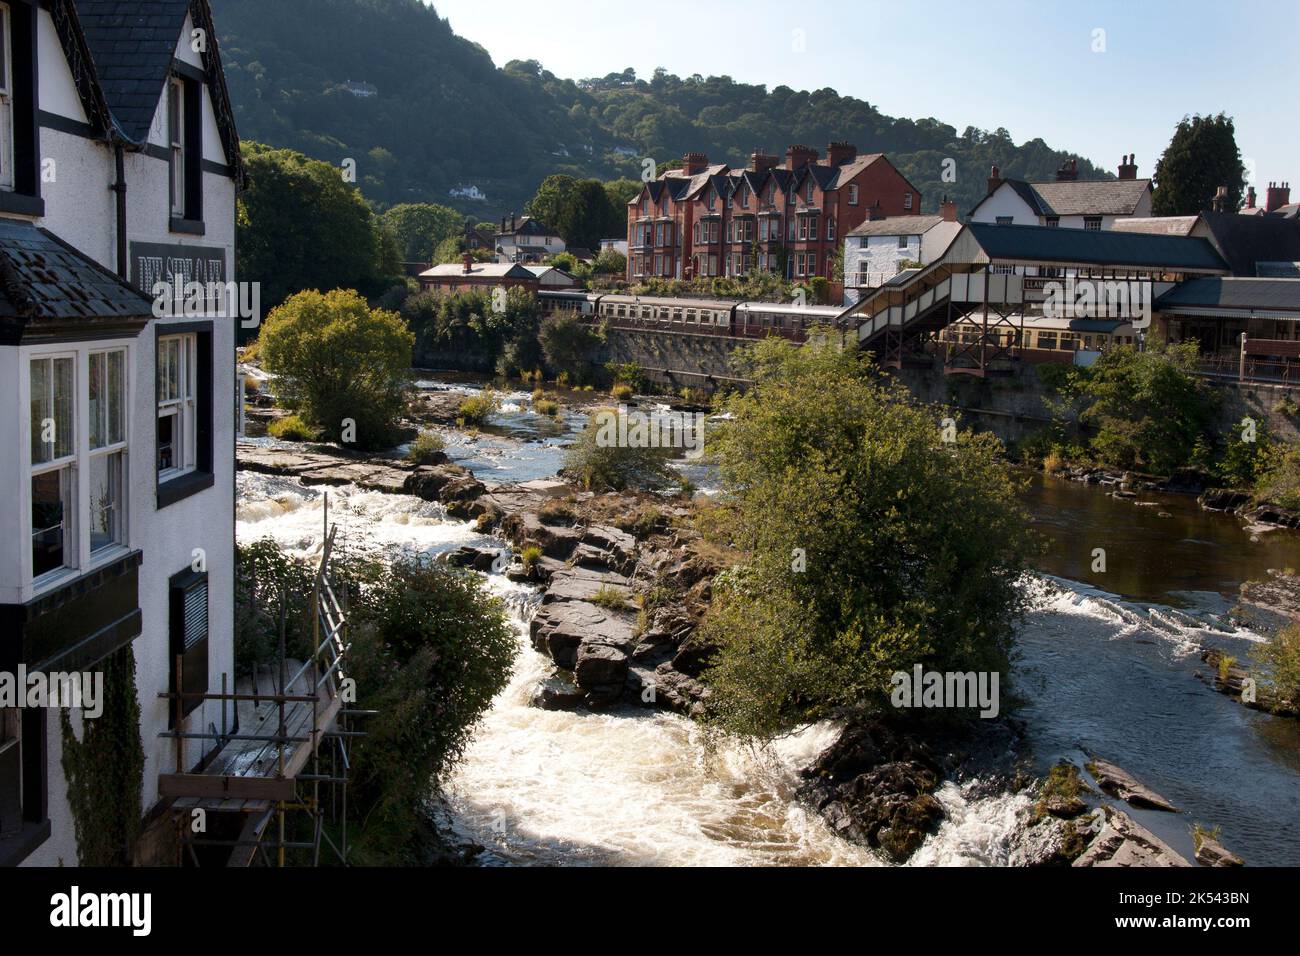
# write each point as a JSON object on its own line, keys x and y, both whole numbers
{"x": 185, "y": 153}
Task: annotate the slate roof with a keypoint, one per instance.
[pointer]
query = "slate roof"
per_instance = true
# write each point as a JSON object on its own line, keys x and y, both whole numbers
{"x": 478, "y": 270}
{"x": 1095, "y": 247}
{"x": 1246, "y": 241}
{"x": 896, "y": 226}
{"x": 46, "y": 284}
{"x": 132, "y": 43}
{"x": 1265, "y": 295}
{"x": 1158, "y": 225}
{"x": 1103, "y": 197}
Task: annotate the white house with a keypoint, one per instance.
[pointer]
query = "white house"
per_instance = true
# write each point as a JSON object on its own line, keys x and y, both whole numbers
{"x": 119, "y": 164}
{"x": 879, "y": 249}
{"x": 1068, "y": 202}
{"x": 526, "y": 240}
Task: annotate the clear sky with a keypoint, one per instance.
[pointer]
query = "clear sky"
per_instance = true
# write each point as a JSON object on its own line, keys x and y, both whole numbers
{"x": 1027, "y": 66}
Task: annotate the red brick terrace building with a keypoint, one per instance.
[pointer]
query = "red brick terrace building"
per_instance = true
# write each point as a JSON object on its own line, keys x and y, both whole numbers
{"x": 710, "y": 220}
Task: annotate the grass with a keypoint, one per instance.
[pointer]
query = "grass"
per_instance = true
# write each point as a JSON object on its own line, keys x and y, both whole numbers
{"x": 609, "y": 597}
{"x": 621, "y": 391}
{"x": 426, "y": 449}
{"x": 1200, "y": 833}
{"x": 1053, "y": 462}
{"x": 546, "y": 406}
{"x": 291, "y": 428}
{"x": 1062, "y": 781}
{"x": 477, "y": 409}
{"x": 529, "y": 558}
{"x": 557, "y": 511}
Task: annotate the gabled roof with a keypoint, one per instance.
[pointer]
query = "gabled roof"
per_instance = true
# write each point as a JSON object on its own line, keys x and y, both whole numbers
{"x": 1103, "y": 197}
{"x": 1266, "y": 295}
{"x": 528, "y": 226}
{"x": 897, "y": 226}
{"x": 48, "y": 288}
{"x": 132, "y": 43}
{"x": 1095, "y": 247}
{"x": 478, "y": 270}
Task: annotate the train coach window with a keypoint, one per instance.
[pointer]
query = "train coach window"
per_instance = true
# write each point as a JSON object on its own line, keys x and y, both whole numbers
{"x": 677, "y": 315}
{"x": 1047, "y": 340}
{"x": 692, "y": 315}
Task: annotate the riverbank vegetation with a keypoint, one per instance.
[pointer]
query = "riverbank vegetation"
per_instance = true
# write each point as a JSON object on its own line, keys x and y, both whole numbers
{"x": 343, "y": 367}
{"x": 871, "y": 544}
{"x": 430, "y": 648}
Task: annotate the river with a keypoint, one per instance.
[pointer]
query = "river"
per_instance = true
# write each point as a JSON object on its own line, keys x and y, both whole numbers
{"x": 1106, "y": 662}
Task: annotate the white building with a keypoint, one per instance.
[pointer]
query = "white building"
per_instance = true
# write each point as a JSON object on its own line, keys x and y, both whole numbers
{"x": 119, "y": 164}
{"x": 1067, "y": 202}
{"x": 526, "y": 240}
{"x": 879, "y": 249}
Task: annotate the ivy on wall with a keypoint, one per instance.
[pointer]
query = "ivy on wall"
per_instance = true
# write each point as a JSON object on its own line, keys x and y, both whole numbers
{"x": 105, "y": 769}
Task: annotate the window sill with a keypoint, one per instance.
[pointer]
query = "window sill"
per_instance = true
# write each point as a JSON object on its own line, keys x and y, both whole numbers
{"x": 20, "y": 204}
{"x": 18, "y": 847}
{"x": 178, "y": 489}
{"x": 192, "y": 227}
{"x": 53, "y": 580}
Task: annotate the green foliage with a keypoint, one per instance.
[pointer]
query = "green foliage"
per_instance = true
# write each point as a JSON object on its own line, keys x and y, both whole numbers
{"x": 1279, "y": 659}
{"x": 419, "y": 228}
{"x": 507, "y": 129}
{"x": 292, "y": 428}
{"x": 870, "y": 544}
{"x": 338, "y": 359}
{"x": 1244, "y": 463}
{"x": 564, "y": 261}
{"x": 1150, "y": 409}
{"x": 546, "y": 406}
{"x": 466, "y": 323}
{"x": 300, "y": 226}
{"x": 1201, "y": 833}
{"x": 529, "y": 557}
{"x": 598, "y": 463}
{"x": 611, "y": 598}
{"x": 1278, "y": 480}
{"x": 627, "y": 373}
{"x": 757, "y": 285}
{"x": 610, "y": 262}
{"x": 477, "y": 409}
{"x": 427, "y": 449}
{"x": 1201, "y": 157}
{"x": 567, "y": 344}
{"x": 581, "y": 210}
{"x": 105, "y": 769}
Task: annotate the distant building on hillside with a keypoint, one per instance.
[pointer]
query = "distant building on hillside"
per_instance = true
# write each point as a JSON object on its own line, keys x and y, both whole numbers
{"x": 468, "y": 192}
{"x": 361, "y": 90}
{"x": 1068, "y": 201}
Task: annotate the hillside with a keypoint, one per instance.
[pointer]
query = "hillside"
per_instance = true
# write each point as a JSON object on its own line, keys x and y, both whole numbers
{"x": 423, "y": 111}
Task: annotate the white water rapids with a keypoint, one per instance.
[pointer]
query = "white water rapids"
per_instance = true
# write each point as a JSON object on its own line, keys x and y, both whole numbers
{"x": 628, "y": 787}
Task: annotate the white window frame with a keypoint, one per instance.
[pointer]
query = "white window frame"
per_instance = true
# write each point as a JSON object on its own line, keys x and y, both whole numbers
{"x": 6, "y": 101}
{"x": 853, "y": 194}
{"x": 907, "y": 200}
{"x": 110, "y": 449}
{"x": 176, "y": 143}
{"x": 182, "y": 407}
{"x": 68, "y": 463}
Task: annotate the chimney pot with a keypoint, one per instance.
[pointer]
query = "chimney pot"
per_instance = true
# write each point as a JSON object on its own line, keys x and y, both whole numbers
{"x": 948, "y": 209}
{"x": 995, "y": 179}
{"x": 1278, "y": 195}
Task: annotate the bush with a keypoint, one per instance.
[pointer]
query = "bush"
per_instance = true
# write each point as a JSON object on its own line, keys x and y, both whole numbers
{"x": 1279, "y": 478}
{"x": 427, "y": 449}
{"x": 611, "y": 598}
{"x": 292, "y": 428}
{"x": 547, "y": 406}
{"x": 339, "y": 361}
{"x": 601, "y": 465}
{"x": 871, "y": 544}
{"x": 477, "y": 409}
{"x": 529, "y": 558}
{"x": 621, "y": 391}
{"x": 1280, "y": 659}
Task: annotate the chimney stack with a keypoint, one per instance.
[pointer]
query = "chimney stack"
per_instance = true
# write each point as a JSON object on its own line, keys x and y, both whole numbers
{"x": 841, "y": 152}
{"x": 995, "y": 179}
{"x": 1220, "y": 201}
{"x": 695, "y": 163}
{"x": 1068, "y": 172}
{"x": 468, "y": 261}
{"x": 1278, "y": 195}
{"x": 761, "y": 162}
{"x": 1250, "y": 198}
{"x": 796, "y": 157}
{"x": 1128, "y": 169}
{"x": 948, "y": 209}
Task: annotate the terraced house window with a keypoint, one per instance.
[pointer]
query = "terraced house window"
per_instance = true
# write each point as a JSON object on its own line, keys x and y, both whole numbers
{"x": 53, "y": 461}
{"x": 176, "y": 138}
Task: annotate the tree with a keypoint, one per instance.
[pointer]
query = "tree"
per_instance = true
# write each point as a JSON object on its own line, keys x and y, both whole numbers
{"x": 599, "y": 463}
{"x": 610, "y": 262}
{"x": 470, "y": 323}
{"x": 420, "y": 227}
{"x": 873, "y": 540}
{"x": 1201, "y": 157}
{"x": 582, "y": 211}
{"x": 1150, "y": 408}
{"x": 341, "y": 364}
{"x": 567, "y": 344}
{"x": 300, "y": 226}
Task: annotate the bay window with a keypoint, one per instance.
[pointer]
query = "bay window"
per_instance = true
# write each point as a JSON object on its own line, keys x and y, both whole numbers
{"x": 107, "y": 472}
{"x": 53, "y": 464}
